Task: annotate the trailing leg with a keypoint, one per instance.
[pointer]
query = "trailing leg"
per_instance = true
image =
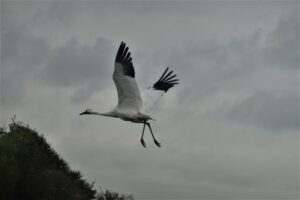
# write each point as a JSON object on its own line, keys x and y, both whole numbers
{"x": 155, "y": 141}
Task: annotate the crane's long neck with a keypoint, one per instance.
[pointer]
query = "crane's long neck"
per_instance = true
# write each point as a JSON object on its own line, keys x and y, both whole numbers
{"x": 106, "y": 114}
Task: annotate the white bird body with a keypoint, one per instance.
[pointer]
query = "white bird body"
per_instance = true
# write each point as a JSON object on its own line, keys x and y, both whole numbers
{"x": 132, "y": 106}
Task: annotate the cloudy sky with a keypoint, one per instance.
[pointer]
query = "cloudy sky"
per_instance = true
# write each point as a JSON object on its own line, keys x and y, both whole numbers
{"x": 229, "y": 130}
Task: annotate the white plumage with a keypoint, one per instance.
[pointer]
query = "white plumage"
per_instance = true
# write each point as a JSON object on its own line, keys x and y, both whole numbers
{"x": 133, "y": 106}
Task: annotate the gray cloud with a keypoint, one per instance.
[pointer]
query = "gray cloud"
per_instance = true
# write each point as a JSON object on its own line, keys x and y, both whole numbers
{"x": 22, "y": 57}
{"x": 281, "y": 48}
{"x": 80, "y": 65}
{"x": 268, "y": 111}
{"x": 73, "y": 63}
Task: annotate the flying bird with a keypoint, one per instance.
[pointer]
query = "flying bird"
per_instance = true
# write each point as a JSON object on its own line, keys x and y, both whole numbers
{"x": 133, "y": 105}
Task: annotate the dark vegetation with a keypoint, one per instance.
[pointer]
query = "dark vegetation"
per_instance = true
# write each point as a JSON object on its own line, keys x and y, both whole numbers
{"x": 31, "y": 169}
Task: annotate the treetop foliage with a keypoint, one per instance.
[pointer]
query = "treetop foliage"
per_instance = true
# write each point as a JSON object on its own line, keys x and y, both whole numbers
{"x": 31, "y": 169}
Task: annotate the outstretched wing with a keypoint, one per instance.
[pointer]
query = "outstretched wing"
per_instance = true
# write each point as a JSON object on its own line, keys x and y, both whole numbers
{"x": 152, "y": 94}
{"x": 124, "y": 77}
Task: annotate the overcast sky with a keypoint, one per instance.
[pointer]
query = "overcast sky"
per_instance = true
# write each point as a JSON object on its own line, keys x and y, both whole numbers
{"x": 230, "y": 129}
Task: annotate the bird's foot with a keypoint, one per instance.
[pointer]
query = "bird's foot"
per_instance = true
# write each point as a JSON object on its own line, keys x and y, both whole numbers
{"x": 143, "y": 143}
{"x": 157, "y": 143}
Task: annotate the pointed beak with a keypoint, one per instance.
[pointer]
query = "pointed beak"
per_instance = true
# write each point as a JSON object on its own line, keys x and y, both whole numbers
{"x": 82, "y": 113}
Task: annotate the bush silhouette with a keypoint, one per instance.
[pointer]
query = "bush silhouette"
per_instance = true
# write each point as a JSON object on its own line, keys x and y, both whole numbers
{"x": 31, "y": 169}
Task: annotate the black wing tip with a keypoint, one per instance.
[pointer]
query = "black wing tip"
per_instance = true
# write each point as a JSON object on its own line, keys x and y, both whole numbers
{"x": 124, "y": 58}
{"x": 166, "y": 81}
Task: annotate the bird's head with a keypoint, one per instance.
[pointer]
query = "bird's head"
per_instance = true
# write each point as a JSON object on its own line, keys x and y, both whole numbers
{"x": 86, "y": 112}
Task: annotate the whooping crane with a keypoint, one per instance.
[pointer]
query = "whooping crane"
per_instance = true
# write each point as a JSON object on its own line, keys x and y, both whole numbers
{"x": 132, "y": 105}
